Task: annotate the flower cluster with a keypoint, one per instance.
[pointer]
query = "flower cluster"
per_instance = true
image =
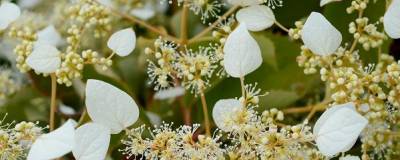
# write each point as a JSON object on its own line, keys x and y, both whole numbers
{"x": 190, "y": 68}
{"x": 15, "y": 141}
{"x": 167, "y": 143}
{"x": 27, "y": 37}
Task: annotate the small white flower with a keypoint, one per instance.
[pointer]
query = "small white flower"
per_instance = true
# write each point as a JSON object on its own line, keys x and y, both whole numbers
{"x": 245, "y": 3}
{"x": 324, "y": 2}
{"x": 44, "y": 58}
{"x": 391, "y": 20}
{"x": 320, "y": 36}
{"x": 256, "y": 17}
{"x": 50, "y": 36}
{"x": 122, "y": 42}
{"x": 223, "y": 110}
{"x": 9, "y": 12}
{"x": 349, "y": 157}
{"x": 338, "y": 129}
{"x": 242, "y": 54}
{"x": 169, "y": 93}
{"x": 91, "y": 142}
{"x": 54, "y": 144}
{"x": 109, "y": 106}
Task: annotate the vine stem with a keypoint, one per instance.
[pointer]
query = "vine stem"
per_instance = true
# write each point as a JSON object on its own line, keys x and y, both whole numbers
{"x": 209, "y": 28}
{"x": 53, "y": 105}
{"x": 205, "y": 112}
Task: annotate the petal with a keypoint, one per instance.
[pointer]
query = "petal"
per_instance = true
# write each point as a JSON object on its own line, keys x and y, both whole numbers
{"x": 391, "y": 20}
{"x": 242, "y": 55}
{"x": 50, "y": 36}
{"x": 9, "y": 12}
{"x": 320, "y": 36}
{"x": 223, "y": 109}
{"x": 91, "y": 142}
{"x": 245, "y": 3}
{"x": 324, "y": 2}
{"x": 340, "y": 131}
{"x": 122, "y": 42}
{"x": 54, "y": 144}
{"x": 109, "y": 106}
{"x": 44, "y": 58}
{"x": 256, "y": 18}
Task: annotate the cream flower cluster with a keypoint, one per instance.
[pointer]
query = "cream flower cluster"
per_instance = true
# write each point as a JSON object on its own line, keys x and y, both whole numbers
{"x": 192, "y": 68}
{"x": 16, "y": 139}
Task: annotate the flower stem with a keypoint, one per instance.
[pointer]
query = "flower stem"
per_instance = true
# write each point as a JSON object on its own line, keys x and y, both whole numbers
{"x": 209, "y": 28}
{"x": 243, "y": 88}
{"x": 53, "y": 103}
{"x": 281, "y": 26}
{"x": 205, "y": 112}
{"x": 184, "y": 24}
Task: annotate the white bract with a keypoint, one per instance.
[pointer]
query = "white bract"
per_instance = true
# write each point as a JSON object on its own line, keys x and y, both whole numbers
{"x": 349, "y": 157}
{"x": 391, "y": 20}
{"x": 28, "y": 3}
{"x": 338, "y": 129}
{"x": 54, "y": 144}
{"x": 169, "y": 93}
{"x": 320, "y": 36}
{"x": 223, "y": 110}
{"x": 324, "y": 2}
{"x": 91, "y": 142}
{"x": 50, "y": 36}
{"x": 44, "y": 58}
{"x": 122, "y": 42}
{"x": 242, "y": 55}
{"x": 256, "y": 17}
{"x": 9, "y": 12}
{"x": 244, "y": 3}
{"x": 109, "y": 106}
{"x": 145, "y": 13}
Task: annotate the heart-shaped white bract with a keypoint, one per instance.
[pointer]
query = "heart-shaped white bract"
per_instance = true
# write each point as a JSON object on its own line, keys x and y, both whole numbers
{"x": 320, "y": 36}
{"x": 245, "y": 3}
{"x": 44, "y": 58}
{"x": 391, "y": 20}
{"x": 9, "y": 12}
{"x": 109, "y": 106}
{"x": 50, "y": 36}
{"x": 324, "y": 2}
{"x": 242, "y": 55}
{"x": 338, "y": 129}
{"x": 91, "y": 142}
{"x": 54, "y": 144}
{"x": 223, "y": 110}
{"x": 256, "y": 17}
{"x": 122, "y": 42}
